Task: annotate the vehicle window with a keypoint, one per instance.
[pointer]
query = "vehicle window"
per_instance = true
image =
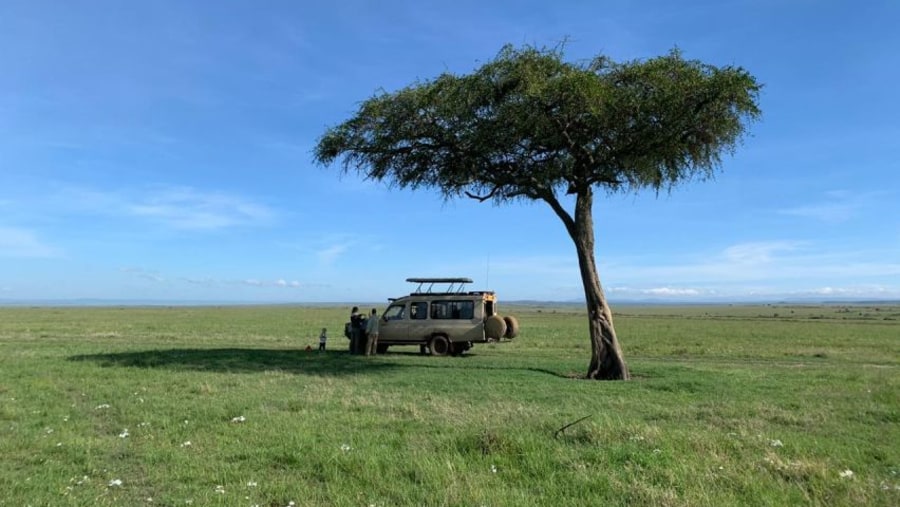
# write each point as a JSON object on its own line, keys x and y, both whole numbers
{"x": 453, "y": 310}
{"x": 395, "y": 312}
{"x": 418, "y": 311}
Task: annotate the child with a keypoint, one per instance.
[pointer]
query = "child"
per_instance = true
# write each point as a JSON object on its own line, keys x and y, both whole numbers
{"x": 323, "y": 338}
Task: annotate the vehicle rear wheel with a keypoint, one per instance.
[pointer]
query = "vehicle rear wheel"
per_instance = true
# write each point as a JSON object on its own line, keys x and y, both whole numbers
{"x": 494, "y": 327}
{"x": 512, "y": 327}
{"x": 381, "y": 348}
{"x": 439, "y": 346}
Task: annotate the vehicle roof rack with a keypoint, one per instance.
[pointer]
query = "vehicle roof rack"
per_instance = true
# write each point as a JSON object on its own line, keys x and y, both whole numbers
{"x": 426, "y": 285}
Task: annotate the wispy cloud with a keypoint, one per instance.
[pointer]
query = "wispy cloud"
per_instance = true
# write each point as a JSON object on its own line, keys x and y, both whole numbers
{"x": 15, "y": 242}
{"x": 186, "y": 208}
{"x": 248, "y": 282}
{"x": 272, "y": 283}
{"x": 143, "y": 273}
{"x": 328, "y": 249}
{"x": 835, "y": 207}
{"x": 175, "y": 207}
{"x": 671, "y": 291}
{"x": 761, "y": 252}
{"x": 330, "y": 254}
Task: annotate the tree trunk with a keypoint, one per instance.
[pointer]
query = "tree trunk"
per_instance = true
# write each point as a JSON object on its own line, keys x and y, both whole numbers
{"x": 607, "y": 362}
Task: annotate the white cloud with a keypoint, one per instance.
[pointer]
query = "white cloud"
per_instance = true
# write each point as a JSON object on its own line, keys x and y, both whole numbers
{"x": 671, "y": 291}
{"x": 331, "y": 253}
{"x": 825, "y": 212}
{"x": 757, "y": 252}
{"x": 836, "y": 207}
{"x": 182, "y": 208}
{"x": 204, "y": 282}
{"x": 15, "y": 242}
{"x": 660, "y": 292}
{"x": 143, "y": 273}
{"x": 282, "y": 283}
{"x": 186, "y": 208}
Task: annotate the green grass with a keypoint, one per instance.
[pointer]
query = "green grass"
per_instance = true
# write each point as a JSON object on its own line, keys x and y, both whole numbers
{"x": 743, "y": 405}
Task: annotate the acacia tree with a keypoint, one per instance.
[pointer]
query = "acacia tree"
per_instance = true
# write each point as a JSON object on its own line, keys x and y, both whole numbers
{"x": 529, "y": 125}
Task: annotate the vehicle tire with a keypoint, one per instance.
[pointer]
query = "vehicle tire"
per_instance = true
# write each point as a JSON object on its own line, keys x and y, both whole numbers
{"x": 494, "y": 327}
{"x": 439, "y": 345}
{"x": 512, "y": 327}
{"x": 381, "y": 348}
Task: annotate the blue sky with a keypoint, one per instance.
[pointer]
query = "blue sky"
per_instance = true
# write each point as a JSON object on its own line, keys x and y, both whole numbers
{"x": 162, "y": 151}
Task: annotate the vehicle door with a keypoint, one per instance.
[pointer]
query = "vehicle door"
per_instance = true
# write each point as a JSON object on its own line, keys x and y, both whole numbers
{"x": 394, "y": 326}
{"x": 420, "y": 328}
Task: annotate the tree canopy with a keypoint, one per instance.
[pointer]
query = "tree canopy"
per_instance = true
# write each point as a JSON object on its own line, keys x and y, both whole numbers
{"x": 529, "y": 124}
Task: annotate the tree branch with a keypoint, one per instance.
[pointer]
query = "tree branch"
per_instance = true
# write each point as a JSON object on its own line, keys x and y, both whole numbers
{"x": 482, "y": 198}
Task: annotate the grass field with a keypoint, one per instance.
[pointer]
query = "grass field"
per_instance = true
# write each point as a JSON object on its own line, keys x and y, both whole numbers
{"x": 730, "y": 405}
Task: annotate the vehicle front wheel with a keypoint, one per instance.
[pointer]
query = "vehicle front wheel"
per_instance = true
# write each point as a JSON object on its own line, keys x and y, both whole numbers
{"x": 439, "y": 346}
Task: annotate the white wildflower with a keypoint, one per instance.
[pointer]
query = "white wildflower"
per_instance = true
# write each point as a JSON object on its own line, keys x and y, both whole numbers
{"x": 48, "y": 430}
{"x": 124, "y": 433}
{"x": 846, "y": 474}
{"x": 238, "y": 419}
{"x": 657, "y": 451}
{"x": 345, "y": 447}
{"x": 220, "y": 489}
{"x": 776, "y": 443}
{"x": 493, "y": 469}
{"x": 102, "y": 406}
{"x": 115, "y": 483}
{"x": 143, "y": 425}
{"x": 66, "y": 419}
{"x": 59, "y": 444}
{"x": 186, "y": 444}
{"x": 251, "y": 484}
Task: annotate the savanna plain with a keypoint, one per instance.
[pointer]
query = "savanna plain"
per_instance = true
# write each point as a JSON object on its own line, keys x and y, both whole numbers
{"x": 175, "y": 406}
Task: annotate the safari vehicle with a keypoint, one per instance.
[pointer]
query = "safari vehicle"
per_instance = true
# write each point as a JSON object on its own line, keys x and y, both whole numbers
{"x": 442, "y": 317}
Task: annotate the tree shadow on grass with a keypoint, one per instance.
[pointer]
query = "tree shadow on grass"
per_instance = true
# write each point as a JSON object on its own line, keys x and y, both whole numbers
{"x": 235, "y": 360}
{"x": 296, "y": 361}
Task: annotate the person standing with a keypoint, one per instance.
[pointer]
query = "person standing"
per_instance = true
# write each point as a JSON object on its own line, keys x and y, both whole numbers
{"x": 372, "y": 331}
{"x": 323, "y": 337}
{"x": 356, "y": 331}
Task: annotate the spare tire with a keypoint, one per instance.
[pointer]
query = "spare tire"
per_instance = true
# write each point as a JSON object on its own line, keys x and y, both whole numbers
{"x": 512, "y": 327}
{"x": 494, "y": 327}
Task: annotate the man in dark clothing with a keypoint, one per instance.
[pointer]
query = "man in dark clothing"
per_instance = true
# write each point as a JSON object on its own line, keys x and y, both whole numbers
{"x": 357, "y": 331}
